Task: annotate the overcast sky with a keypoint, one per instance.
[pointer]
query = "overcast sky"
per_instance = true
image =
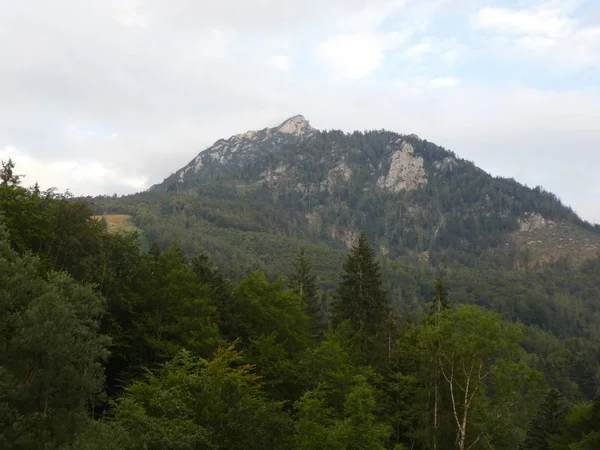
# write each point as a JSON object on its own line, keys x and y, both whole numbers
{"x": 111, "y": 96}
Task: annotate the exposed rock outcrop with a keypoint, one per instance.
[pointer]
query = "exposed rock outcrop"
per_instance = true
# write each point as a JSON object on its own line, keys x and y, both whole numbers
{"x": 406, "y": 171}
{"x": 533, "y": 221}
{"x": 297, "y": 125}
{"x": 446, "y": 164}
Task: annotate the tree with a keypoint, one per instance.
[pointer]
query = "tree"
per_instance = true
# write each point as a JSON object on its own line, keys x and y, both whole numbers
{"x": 340, "y": 408}
{"x": 580, "y": 429}
{"x": 208, "y": 274}
{"x": 270, "y": 324}
{"x": 441, "y": 302}
{"x": 321, "y": 427}
{"x": 547, "y": 420}
{"x": 175, "y": 312}
{"x": 303, "y": 283}
{"x": 485, "y": 384}
{"x": 59, "y": 230}
{"x": 194, "y": 403}
{"x": 51, "y": 353}
{"x": 259, "y": 308}
{"x": 361, "y": 298}
{"x": 7, "y": 175}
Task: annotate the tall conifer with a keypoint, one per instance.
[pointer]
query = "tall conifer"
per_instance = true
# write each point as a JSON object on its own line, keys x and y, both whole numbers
{"x": 303, "y": 283}
{"x": 361, "y": 298}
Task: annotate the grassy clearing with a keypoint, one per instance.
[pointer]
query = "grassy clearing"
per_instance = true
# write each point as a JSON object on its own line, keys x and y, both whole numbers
{"x": 118, "y": 223}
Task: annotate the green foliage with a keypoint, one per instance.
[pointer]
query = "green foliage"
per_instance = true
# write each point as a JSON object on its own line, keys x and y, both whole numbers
{"x": 173, "y": 310}
{"x": 193, "y": 403}
{"x": 259, "y": 308}
{"x": 441, "y": 301}
{"x": 361, "y": 299}
{"x": 483, "y": 382}
{"x": 51, "y": 354}
{"x": 270, "y": 322}
{"x": 303, "y": 283}
{"x": 581, "y": 428}
{"x": 547, "y": 420}
{"x": 355, "y": 427}
{"x": 339, "y": 408}
{"x": 7, "y": 175}
{"x": 398, "y": 367}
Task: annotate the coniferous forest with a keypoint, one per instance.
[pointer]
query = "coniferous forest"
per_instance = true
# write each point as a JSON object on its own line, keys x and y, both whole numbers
{"x": 111, "y": 342}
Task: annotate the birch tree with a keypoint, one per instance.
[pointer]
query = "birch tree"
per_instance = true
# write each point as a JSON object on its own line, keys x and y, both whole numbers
{"x": 470, "y": 348}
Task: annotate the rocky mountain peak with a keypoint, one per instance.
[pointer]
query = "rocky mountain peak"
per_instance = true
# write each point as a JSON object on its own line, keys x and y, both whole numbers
{"x": 297, "y": 125}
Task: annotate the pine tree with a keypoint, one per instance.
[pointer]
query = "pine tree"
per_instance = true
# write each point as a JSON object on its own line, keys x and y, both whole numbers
{"x": 361, "y": 298}
{"x": 303, "y": 283}
{"x": 546, "y": 421}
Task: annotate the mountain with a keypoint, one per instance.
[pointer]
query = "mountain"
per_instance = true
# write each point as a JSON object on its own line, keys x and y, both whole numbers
{"x": 409, "y": 195}
{"x": 251, "y": 201}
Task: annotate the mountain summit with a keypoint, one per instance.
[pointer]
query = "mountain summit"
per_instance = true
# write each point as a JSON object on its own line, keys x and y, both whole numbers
{"x": 409, "y": 195}
{"x": 240, "y": 147}
{"x": 297, "y": 125}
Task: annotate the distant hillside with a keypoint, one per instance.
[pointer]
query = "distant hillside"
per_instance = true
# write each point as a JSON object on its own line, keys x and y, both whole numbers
{"x": 254, "y": 199}
{"x": 409, "y": 195}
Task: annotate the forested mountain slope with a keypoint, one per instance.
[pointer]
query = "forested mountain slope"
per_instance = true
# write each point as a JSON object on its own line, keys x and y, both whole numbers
{"x": 104, "y": 345}
{"x": 407, "y": 194}
{"x": 254, "y": 199}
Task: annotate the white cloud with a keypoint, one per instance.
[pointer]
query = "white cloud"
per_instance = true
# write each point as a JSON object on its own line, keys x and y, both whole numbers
{"x": 82, "y": 177}
{"x": 353, "y": 56}
{"x": 130, "y": 14}
{"x": 546, "y": 33}
{"x": 359, "y": 47}
{"x": 537, "y": 21}
{"x": 419, "y": 49}
{"x": 447, "y": 51}
{"x": 282, "y": 62}
{"x": 444, "y": 82}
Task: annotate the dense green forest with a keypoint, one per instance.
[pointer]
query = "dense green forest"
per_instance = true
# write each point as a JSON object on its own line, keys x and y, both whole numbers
{"x": 104, "y": 345}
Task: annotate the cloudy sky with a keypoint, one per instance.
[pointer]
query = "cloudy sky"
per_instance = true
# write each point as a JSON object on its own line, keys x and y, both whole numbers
{"x": 111, "y": 96}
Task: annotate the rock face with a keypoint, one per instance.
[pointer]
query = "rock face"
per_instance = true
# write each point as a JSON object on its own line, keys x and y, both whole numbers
{"x": 348, "y": 236}
{"x": 341, "y": 173}
{"x": 406, "y": 171}
{"x": 446, "y": 164}
{"x": 533, "y": 221}
{"x": 248, "y": 145}
{"x": 275, "y": 176}
{"x": 297, "y": 126}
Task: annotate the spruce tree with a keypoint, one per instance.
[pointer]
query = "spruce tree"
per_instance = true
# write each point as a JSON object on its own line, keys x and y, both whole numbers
{"x": 303, "y": 283}
{"x": 361, "y": 298}
{"x": 546, "y": 421}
